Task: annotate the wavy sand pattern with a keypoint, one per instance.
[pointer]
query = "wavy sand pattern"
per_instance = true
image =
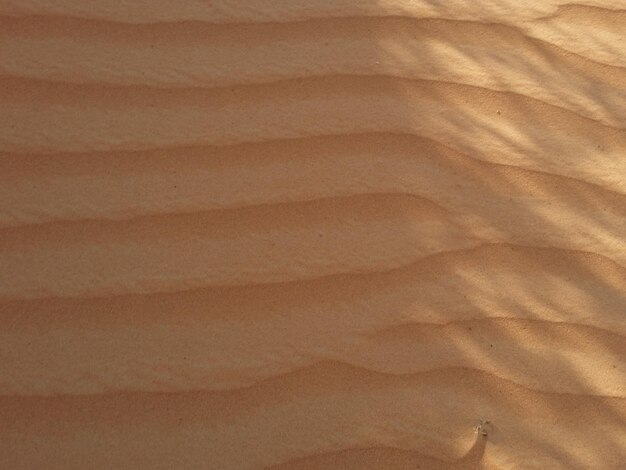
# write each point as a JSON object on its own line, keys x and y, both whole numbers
{"x": 312, "y": 234}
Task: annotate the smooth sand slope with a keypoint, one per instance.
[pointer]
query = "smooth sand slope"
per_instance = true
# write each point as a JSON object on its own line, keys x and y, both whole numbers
{"x": 318, "y": 234}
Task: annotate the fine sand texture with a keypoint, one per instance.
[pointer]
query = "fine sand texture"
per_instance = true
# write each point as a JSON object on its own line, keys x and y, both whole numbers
{"x": 312, "y": 234}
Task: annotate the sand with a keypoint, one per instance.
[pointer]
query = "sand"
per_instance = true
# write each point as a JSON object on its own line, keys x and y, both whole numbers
{"x": 323, "y": 234}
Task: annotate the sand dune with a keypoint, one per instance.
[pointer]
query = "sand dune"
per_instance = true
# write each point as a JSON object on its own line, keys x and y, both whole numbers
{"x": 306, "y": 235}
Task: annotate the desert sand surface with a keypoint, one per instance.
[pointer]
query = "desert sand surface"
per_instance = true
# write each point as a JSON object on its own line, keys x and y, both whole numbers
{"x": 323, "y": 234}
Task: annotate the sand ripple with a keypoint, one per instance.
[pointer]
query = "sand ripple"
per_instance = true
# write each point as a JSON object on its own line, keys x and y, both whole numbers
{"x": 306, "y": 235}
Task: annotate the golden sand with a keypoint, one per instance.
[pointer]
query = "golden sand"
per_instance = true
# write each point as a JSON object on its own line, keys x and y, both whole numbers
{"x": 323, "y": 234}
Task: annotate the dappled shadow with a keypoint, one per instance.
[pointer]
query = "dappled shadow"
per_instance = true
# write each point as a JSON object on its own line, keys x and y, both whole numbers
{"x": 521, "y": 137}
